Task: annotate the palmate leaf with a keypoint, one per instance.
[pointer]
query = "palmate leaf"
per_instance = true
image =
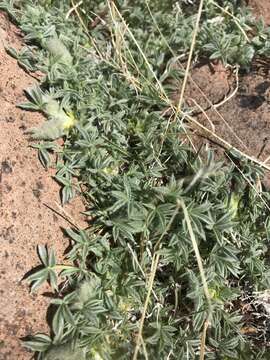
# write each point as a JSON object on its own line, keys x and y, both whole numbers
{"x": 44, "y": 150}
{"x": 162, "y": 333}
{"x": 59, "y": 121}
{"x": 24, "y": 57}
{"x": 199, "y": 318}
{"x": 39, "y": 342}
{"x": 47, "y": 273}
{"x": 38, "y": 278}
{"x": 58, "y": 325}
{"x": 37, "y": 97}
{"x": 80, "y": 237}
{"x": 8, "y": 6}
{"x": 67, "y": 193}
{"x": 30, "y": 106}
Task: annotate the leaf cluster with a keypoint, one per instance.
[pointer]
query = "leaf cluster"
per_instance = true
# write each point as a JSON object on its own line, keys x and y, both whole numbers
{"x": 133, "y": 168}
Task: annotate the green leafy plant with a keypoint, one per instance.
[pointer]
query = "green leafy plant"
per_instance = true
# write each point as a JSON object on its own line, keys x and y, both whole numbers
{"x": 174, "y": 241}
{"x": 60, "y": 120}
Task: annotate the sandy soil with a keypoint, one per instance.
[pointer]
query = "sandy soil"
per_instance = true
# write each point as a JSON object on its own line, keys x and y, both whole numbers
{"x": 24, "y": 220}
{"x": 25, "y": 186}
{"x": 261, "y": 8}
{"x": 243, "y": 119}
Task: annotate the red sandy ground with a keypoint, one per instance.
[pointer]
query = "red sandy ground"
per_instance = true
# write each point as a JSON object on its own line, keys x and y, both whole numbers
{"x": 24, "y": 220}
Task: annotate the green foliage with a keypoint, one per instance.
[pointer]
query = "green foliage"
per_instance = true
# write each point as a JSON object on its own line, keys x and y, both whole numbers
{"x": 134, "y": 169}
{"x": 60, "y": 120}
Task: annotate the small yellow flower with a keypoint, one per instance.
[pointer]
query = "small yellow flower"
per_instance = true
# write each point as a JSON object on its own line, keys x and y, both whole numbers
{"x": 70, "y": 121}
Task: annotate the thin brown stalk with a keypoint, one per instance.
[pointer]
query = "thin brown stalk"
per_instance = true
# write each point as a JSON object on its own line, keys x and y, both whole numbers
{"x": 234, "y": 18}
{"x": 250, "y": 184}
{"x": 203, "y": 339}
{"x": 205, "y": 114}
{"x": 195, "y": 33}
{"x": 202, "y": 275}
{"x": 150, "y": 286}
{"x": 164, "y": 96}
{"x": 154, "y": 265}
{"x": 74, "y": 7}
{"x": 212, "y": 106}
{"x": 225, "y": 143}
{"x": 197, "y": 254}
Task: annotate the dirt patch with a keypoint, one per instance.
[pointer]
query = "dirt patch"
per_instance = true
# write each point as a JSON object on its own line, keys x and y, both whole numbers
{"x": 242, "y": 106}
{"x": 209, "y": 83}
{"x": 247, "y": 116}
{"x": 261, "y": 8}
{"x": 241, "y": 101}
{"x": 24, "y": 220}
